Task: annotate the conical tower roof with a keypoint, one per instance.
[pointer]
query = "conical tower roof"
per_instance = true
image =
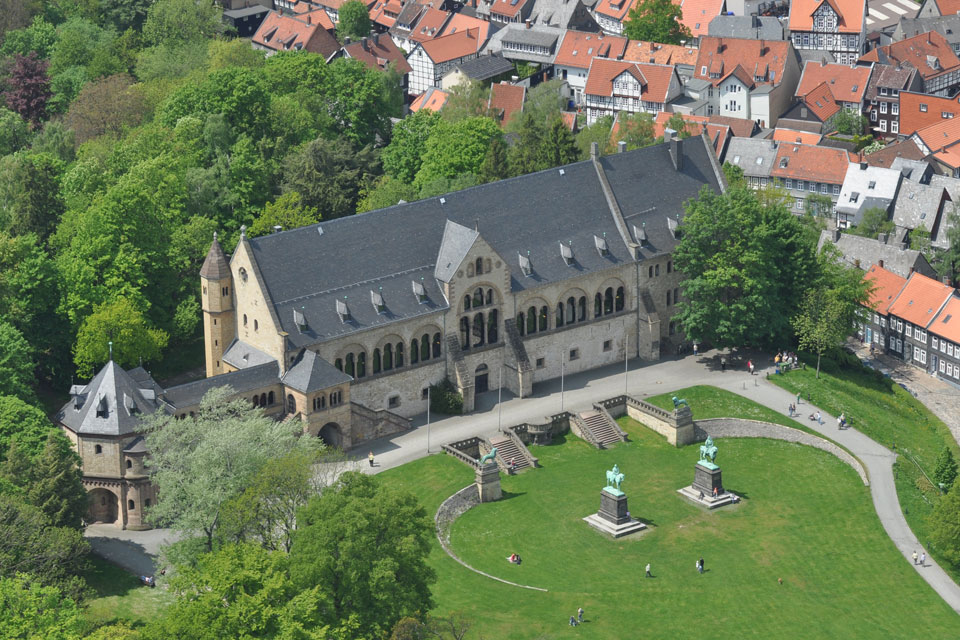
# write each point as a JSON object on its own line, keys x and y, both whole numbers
{"x": 215, "y": 267}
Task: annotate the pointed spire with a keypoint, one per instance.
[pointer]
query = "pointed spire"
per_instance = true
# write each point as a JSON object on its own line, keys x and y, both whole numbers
{"x": 215, "y": 267}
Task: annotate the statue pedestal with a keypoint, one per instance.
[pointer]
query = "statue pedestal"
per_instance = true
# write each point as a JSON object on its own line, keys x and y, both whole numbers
{"x": 706, "y": 477}
{"x": 612, "y": 518}
{"x": 488, "y": 482}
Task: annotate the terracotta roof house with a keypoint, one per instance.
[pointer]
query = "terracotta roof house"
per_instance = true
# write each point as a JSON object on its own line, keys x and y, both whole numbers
{"x": 506, "y": 11}
{"x": 404, "y": 23}
{"x": 432, "y": 99}
{"x": 919, "y": 110}
{"x": 848, "y": 84}
{"x": 930, "y": 54}
{"x": 794, "y": 136}
{"x": 948, "y": 26}
{"x": 885, "y": 286}
{"x": 719, "y": 134}
{"x": 615, "y": 86}
{"x": 945, "y": 338}
{"x": 804, "y": 169}
{"x": 911, "y": 314}
{"x": 384, "y": 13}
{"x": 941, "y": 142}
{"x": 311, "y": 32}
{"x": 377, "y": 52}
{"x": 751, "y": 79}
{"x": 431, "y": 60}
{"x": 611, "y": 14}
{"x": 935, "y": 8}
{"x": 739, "y": 127}
{"x": 575, "y": 53}
{"x": 814, "y": 112}
{"x": 462, "y": 22}
{"x": 835, "y": 26}
{"x": 697, "y": 14}
{"x": 429, "y": 26}
{"x": 505, "y": 101}
{"x": 684, "y": 58}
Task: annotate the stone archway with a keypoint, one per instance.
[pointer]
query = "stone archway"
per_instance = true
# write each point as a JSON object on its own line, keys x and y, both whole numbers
{"x": 332, "y": 435}
{"x": 104, "y": 506}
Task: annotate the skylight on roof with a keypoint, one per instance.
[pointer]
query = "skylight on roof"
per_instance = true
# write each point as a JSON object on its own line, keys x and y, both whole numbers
{"x": 759, "y": 159}
{"x": 872, "y": 185}
{"x": 736, "y": 159}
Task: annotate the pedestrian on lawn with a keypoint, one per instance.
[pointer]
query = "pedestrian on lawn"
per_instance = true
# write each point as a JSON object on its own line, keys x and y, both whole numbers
{"x": 580, "y": 614}
{"x": 648, "y": 571}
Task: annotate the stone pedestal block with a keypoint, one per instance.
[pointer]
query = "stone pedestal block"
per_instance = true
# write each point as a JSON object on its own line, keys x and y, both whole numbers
{"x": 706, "y": 479}
{"x": 488, "y": 482}
{"x": 613, "y": 508}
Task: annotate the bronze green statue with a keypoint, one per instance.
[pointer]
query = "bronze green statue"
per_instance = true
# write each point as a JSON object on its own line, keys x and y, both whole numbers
{"x": 614, "y": 478}
{"x": 680, "y": 401}
{"x": 708, "y": 451}
{"x": 490, "y": 457}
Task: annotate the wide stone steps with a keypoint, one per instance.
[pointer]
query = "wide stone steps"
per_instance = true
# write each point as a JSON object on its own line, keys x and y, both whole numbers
{"x": 507, "y": 451}
{"x": 600, "y": 426}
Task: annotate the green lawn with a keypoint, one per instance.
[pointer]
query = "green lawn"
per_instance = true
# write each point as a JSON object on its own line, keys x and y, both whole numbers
{"x": 806, "y": 518}
{"x": 878, "y": 407}
{"x": 120, "y": 596}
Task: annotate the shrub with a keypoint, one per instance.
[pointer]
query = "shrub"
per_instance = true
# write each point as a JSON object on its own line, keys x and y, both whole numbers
{"x": 444, "y": 398}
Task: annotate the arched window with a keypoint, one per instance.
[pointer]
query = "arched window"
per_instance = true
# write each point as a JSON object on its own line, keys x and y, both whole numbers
{"x": 425, "y": 347}
{"x": 479, "y": 331}
{"x": 361, "y": 364}
{"x": 263, "y": 399}
{"x": 399, "y": 354}
{"x": 571, "y": 310}
{"x": 544, "y": 320}
{"x": 532, "y": 320}
{"x": 414, "y": 351}
{"x": 669, "y": 266}
{"x": 582, "y": 309}
{"x": 479, "y": 267}
{"x": 465, "y": 333}
{"x": 478, "y": 298}
{"x": 560, "y": 315}
{"x": 489, "y": 296}
{"x": 291, "y": 404}
{"x": 129, "y": 464}
{"x": 256, "y": 325}
{"x": 436, "y": 345}
{"x": 521, "y": 325}
{"x": 466, "y": 303}
{"x": 376, "y": 361}
{"x": 597, "y": 306}
{"x": 387, "y": 357}
{"x": 244, "y": 319}
{"x": 618, "y": 303}
{"x": 338, "y": 363}
{"x": 608, "y": 301}
{"x": 131, "y": 505}
{"x": 255, "y": 401}
{"x": 656, "y": 270}
{"x": 271, "y": 398}
{"x": 323, "y": 402}
{"x": 492, "y": 326}
{"x": 349, "y": 370}
{"x": 668, "y": 298}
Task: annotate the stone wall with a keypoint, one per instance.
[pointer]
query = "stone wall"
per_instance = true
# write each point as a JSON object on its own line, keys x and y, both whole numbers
{"x": 740, "y": 428}
{"x": 676, "y": 426}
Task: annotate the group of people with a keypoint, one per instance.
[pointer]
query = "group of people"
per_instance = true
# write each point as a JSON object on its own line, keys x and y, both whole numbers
{"x": 922, "y": 558}
{"x": 514, "y": 558}
{"x": 700, "y": 565}
{"x": 842, "y": 421}
{"x": 577, "y": 619}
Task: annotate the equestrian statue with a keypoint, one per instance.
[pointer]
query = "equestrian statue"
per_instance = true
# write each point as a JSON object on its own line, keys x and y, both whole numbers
{"x": 614, "y": 478}
{"x": 708, "y": 451}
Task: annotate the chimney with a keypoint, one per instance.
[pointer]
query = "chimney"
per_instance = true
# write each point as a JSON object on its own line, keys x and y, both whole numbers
{"x": 676, "y": 153}
{"x": 527, "y": 23}
{"x": 912, "y": 270}
{"x": 309, "y": 19}
{"x": 621, "y": 146}
{"x": 594, "y": 150}
{"x": 863, "y": 166}
{"x": 668, "y": 134}
{"x": 836, "y": 235}
{"x": 363, "y": 44}
{"x": 882, "y": 237}
{"x": 880, "y": 263}
{"x": 346, "y": 40}
{"x": 946, "y": 281}
{"x": 773, "y": 145}
{"x": 277, "y": 228}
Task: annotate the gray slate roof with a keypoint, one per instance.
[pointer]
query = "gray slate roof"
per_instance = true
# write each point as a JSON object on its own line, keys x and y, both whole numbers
{"x": 755, "y": 156}
{"x": 952, "y": 185}
{"x": 190, "y": 394}
{"x": 215, "y": 265}
{"x": 485, "y": 67}
{"x": 749, "y": 27}
{"x": 109, "y": 405}
{"x": 917, "y": 205}
{"x": 866, "y": 252}
{"x": 889, "y": 76}
{"x": 456, "y": 242}
{"x": 311, "y": 373}
{"x": 242, "y": 355}
{"x": 948, "y": 26}
{"x": 389, "y": 250}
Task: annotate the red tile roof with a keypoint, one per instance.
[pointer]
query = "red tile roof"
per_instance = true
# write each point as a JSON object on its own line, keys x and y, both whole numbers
{"x": 288, "y": 33}
{"x": 886, "y": 286}
{"x": 906, "y": 149}
{"x": 756, "y": 57}
{"x": 456, "y": 45}
{"x": 920, "y": 300}
{"x": 850, "y": 14}
{"x": 569, "y": 119}
{"x": 654, "y": 78}
{"x": 947, "y": 323}
{"x": 795, "y": 137}
{"x": 578, "y": 48}
{"x": 377, "y": 52}
{"x": 429, "y": 25}
{"x": 432, "y": 99}
{"x": 506, "y": 100}
{"x": 807, "y": 162}
{"x": 616, "y": 9}
{"x": 461, "y": 22}
{"x": 929, "y": 53}
{"x": 697, "y": 14}
{"x": 507, "y": 8}
{"x": 739, "y": 127}
{"x": 913, "y": 116}
{"x": 942, "y": 139}
{"x": 385, "y": 12}
{"x": 847, "y": 84}
{"x": 656, "y": 53}
{"x": 695, "y": 125}
{"x": 821, "y": 102}
{"x": 948, "y": 7}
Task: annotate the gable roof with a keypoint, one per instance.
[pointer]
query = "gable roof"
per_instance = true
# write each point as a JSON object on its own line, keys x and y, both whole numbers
{"x": 755, "y": 157}
{"x": 929, "y": 53}
{"x": 486, "y": 66}
{"x": 603, "y": 72}
{"x": 578, "y": 48}
{"x": 821, "y": 102}
{"x": 920, "y": 300}
{"x": 754, "y": 56}
{"x": 385, "y": 12}
{"x": 947, "y": 323}
{"x": 808, "y": 162}
{"x": 886, "y": 286}
{"x": 295, "y": 33}
{"x": 508, "y": 8}
{"x": 241, "y": 381}
{"x": 948, "y": 7}
{"x": 377, "y": 52}
{"x": 867, "y": 253}
{"x": 505, "y": 100}
{"x": 110, "y": 404}
{"x": 457, "y": 241}
{"x": 847, "y": 84}
{"x": 697, "y": 14}
{"x": 462, "y": 22}
{"x": 941, "y": 139}
{"x": 429, "y": 25}
{"x": 758, "y": 27}
{"x": 890, "y": 77}
{"x": 918, "y": 205}
{"x": 850, "y": 14}
{"x": 614, "y": 9}
{"x": 452, "y": 46}
{"x": 740, "y": 127}
{"x": 795, "y": 137}
{"x": 887, "y": 156}
{"x": 433, "y": 99}
{"x": 310, "y": 373}
{"x": 656, "y": 53}
{"x": 695, "y": 125}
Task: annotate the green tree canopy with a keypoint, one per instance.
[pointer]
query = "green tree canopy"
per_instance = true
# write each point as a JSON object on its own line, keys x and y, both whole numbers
{"x": 402, "y": 157}
{"x": 364, "y": 545}
{"x": 170, "y": 22}
{"x": 16, "y": 363}
{"x": 874, "y": 221}
{"x": 945, "y": 472}
{"x": 354, "y": 20}
{"x": 287, "y": 211}
{"x": 39, "y": 37}
{"x": 599, "y": 132}
{"x": 656, "y": 21}
{"x": 386, "y": 192}
{"x": 122, "y": 323}
{"x": 637, "y": 130}
{"x": 14, "y": 132}
{"x": 945, "y": 527}
{"x": 30, "y": 192}
{"x": 456, "y": 148}
{"x": 56, "y": 483}
{"x": 23, "y": 423}
{"x": 30, "y": 610}
{"x": 329, "y": 175}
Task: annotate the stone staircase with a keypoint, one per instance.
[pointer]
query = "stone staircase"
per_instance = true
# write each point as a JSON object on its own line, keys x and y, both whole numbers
{"x": 463, "y": 377}
{"x": 601, "y": 427}
{"x": 507, "y": 450}
{"x": 516, "y": 345}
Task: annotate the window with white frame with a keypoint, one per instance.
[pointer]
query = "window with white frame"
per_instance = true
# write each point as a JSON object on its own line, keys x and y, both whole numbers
{"x": 788, "y": 183}
{"x": 836, "y": 189}
{"x": 876, "y": 319}
{"x": 909, "y": 329}
{"x": 883, "y": 126}
{"x": 873, "y": 115}
{"x": 895, "y": 108}
{"x": 950, "y": 349}
{"x": 812, "y": 187}
{"x": 823, "y": 189}
{"x": 942, "y": 366}
{"x": 895, "y": 126}
{"x": 883, "y": 107}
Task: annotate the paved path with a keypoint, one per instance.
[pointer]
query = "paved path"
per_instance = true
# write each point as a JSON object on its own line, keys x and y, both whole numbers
{"x": 135, "y": 551}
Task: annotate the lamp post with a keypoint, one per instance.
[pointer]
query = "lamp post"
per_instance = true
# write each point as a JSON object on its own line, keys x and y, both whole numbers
{"x": 626, "y": 356}
{"x": 561, "y": 382}
{"x": 500, "y": 400}
{"x": 428, "y": 419}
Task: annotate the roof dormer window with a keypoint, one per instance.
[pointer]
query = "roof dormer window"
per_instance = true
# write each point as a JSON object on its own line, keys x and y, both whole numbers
{"x": 566, "y": 252}
{"x": 102, "y": 408}
{"x": 299, "y": 319}
{"x": 601, "y": 244}
{"x": 343, "y": 311}
{"x": 376, "y": 299}
{"x": 419, "y": 291}
{"x": 525, "y": 267}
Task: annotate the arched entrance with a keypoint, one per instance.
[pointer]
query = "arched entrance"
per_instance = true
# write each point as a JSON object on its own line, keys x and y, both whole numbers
{"x": 481, "y": 379}
{"x": 103, "y": 506}
{"x": 331, "y": 435}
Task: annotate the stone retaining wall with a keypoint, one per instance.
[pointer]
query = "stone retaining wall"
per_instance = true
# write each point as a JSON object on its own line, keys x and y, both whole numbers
{"x": 741, "y": 428}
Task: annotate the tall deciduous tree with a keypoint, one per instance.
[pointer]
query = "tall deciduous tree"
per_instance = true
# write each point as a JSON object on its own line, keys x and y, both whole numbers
{"x": 599, "y": 132}
{"x": 402, "y": 157}
{"x": 329, "y": 175}
{"x": 171, "y": 22}
{"x": 747, "y": 266}
{"x": 945, "y": 527}
{"x": 16, "y": 363}
{"x": 364, "y": 545}
{"x": 28, "y": 88}
{"x": 120, "y": 322}
{"x": 945, "y": 472}
{"x": 106, "y": 106}
{"x": 24, "y": 423}
{"x": 354, "y": 20}
{"x": 874, "y": 221}
{"x": 656, "y": 21}
{"x": 30, "y": 610}
{"x": 456, "y": 148}
{"x": 201, "y": 462}
{"x": 386, "y": 192}
{"x": 30, "y": 192}
{"x": 637, "y": 130}
{"x": 14, "y": 132}
{"x": 287, "y": 212}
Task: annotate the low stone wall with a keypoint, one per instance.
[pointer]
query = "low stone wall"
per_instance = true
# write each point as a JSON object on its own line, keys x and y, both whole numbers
{"x": 451, "y": 509}
{"x": 676, "y": 427}
{"x": 741, "y": 428}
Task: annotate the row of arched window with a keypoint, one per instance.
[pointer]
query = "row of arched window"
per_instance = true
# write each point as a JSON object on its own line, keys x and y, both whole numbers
{"x": 263, "y": 400}
{"x": 654, "y": 270}
{"x": 390, "y": 357}
{"x": 323, "y": 400}
{"x": 481, "y": 330}
{"x": 569, "y": 312}
{"x": 479, "y": 298}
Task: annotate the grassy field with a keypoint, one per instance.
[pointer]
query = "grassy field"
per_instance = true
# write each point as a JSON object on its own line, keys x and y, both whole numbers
{"x": 881, "y": 409}
{"x": 120, "y": 596}
{"x": 806, "y": 518}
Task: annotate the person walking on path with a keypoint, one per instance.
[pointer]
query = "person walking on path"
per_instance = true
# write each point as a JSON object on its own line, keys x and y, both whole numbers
{"x": 370, "y": 458}
{"x": 750, "y": 366}
{"x": 816, "y": 417}
{"x": 923, "y": 559}
{"x": 914, "y": 557}
{"x": 798, "y": 398}
{"x": 579, "y": 614}
{"x": 648, "y": 571}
